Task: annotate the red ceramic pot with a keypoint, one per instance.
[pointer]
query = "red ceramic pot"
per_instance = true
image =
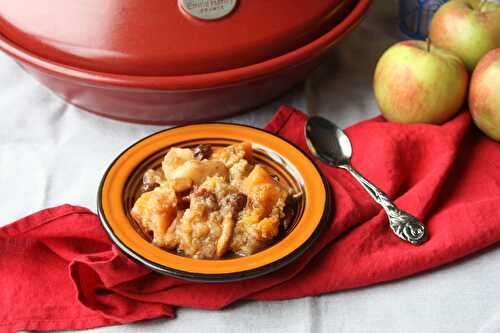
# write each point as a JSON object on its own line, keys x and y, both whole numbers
{"x": 172, "y": 67}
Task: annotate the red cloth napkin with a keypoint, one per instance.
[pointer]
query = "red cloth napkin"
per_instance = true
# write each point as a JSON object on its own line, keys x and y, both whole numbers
{"x": 58, "y": 269}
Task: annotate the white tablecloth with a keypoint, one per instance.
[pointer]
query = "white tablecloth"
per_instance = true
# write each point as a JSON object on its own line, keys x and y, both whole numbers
{"x": 51, "y": 153}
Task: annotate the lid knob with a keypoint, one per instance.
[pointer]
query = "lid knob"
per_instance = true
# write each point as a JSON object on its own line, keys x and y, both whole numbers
{"x": 208, "y": 9}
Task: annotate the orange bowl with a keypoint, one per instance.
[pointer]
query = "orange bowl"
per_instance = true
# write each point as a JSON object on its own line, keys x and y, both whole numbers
{"x": 122, "y": 180}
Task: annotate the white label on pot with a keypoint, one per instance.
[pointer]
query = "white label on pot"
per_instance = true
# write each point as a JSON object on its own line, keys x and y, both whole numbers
{"x": 208, "y": 9}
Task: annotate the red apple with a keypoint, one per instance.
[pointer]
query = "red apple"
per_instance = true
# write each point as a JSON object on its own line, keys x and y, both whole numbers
{"x": 468, "y": 28}
{"x": 418, "y": 83}
{"x": 484, "y": 94}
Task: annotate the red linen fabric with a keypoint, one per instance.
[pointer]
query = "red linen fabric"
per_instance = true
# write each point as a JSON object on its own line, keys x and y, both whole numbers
{"x": 58, "y": 269}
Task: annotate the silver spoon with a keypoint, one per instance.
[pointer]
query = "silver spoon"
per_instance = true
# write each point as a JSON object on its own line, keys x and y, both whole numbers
{"x": 332, "y": 146}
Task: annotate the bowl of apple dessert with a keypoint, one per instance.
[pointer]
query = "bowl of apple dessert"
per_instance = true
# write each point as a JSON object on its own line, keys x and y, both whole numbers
{"x": 213, "y": 202}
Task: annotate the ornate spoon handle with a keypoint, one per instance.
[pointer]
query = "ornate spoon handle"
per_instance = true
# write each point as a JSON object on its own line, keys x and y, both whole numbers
{"x": 404, "y": 225}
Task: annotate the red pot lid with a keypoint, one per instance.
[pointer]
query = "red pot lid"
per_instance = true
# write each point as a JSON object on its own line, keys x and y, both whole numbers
{"x": 166, "y": 37}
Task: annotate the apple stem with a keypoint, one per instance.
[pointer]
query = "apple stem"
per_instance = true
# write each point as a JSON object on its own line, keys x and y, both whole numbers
{"x": 482, "y": 4}
{"x": 428, "y": 44}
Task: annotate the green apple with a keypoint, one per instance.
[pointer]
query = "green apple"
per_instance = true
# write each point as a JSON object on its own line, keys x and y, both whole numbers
{"x": 415, "y": 82}
{"x": 468, "y": 28}
{"x": 484, "y": 94}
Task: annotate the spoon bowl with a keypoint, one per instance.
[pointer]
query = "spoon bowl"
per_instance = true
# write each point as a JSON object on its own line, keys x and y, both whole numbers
{"x": 328, "y": 142}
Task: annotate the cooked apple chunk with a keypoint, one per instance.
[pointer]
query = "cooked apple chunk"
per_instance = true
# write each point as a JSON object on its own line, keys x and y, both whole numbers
{"x": 154, "y": 211}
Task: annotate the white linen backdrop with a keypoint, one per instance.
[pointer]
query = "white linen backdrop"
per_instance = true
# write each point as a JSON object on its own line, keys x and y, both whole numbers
{"x": 51, "y": 153}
